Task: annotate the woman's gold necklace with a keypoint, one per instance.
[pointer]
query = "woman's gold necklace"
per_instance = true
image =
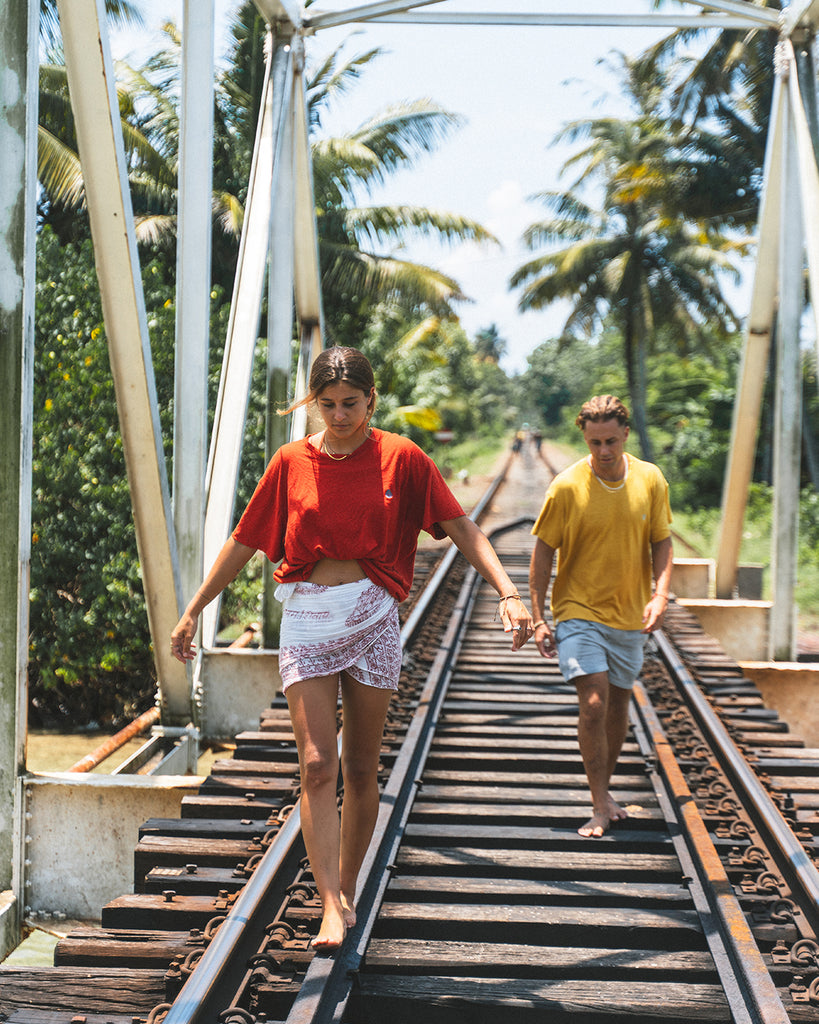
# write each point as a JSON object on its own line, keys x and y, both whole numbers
{"x": 333, "y": 455}
{"x": 338, "y": 457}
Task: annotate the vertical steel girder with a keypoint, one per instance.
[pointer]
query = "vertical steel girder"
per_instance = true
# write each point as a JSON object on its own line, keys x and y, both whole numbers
{"x": 306, "y": 260}
{"x": 279, "y": 345}
{"x": 806, "y": 147}
{"x": 307, "y": 283}
{"x": 99, "y": 135}
{"x": 193, "y": 283}
{"x": 18, "y": 171}
{"x": 790, "y": 201}
{"x": 787, "y": 400}
{"x": 243, "y": 329}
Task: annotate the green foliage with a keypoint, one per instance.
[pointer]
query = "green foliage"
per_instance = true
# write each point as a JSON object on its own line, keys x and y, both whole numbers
{"x": 434, "y": 366}
{"x": 636, "y": 259}
{"x": 90, "y": 652}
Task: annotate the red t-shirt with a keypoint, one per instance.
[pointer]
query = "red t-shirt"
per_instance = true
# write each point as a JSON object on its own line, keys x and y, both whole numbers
{"x": 369, "y": 507}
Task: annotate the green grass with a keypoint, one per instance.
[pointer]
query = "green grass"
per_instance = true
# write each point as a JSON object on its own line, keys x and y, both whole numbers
{"x": 478, "y": 455}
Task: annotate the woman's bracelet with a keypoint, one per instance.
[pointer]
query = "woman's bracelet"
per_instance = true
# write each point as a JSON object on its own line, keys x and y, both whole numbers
{"x": 663, "y": 596}
{"x": 540, "y": 622}
{"x": 506, "y": 597}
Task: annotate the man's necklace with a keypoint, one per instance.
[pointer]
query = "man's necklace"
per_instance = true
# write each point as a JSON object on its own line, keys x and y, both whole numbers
{"x": 603, "y": 483}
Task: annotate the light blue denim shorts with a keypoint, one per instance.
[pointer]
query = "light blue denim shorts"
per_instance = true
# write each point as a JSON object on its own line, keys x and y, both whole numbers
{"x": 585, "y": 647}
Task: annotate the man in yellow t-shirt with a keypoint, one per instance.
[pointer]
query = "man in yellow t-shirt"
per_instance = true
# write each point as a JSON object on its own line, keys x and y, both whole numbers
{"x": 608, "y": 518}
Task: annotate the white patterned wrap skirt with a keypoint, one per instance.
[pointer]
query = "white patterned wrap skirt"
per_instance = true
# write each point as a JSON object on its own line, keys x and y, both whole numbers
{"x": 350, "y": 628}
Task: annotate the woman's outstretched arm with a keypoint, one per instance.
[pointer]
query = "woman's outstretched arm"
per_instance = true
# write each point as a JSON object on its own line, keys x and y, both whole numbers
{"x": 229, "y": 562}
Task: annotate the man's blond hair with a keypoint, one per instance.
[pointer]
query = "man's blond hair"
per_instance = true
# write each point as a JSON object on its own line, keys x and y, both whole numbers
{"x": 601, "y": 408}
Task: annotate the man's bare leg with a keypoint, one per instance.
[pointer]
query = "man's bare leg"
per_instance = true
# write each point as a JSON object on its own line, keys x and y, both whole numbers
{"x": 617, "y": 729}
{"x": 601, "y": 730}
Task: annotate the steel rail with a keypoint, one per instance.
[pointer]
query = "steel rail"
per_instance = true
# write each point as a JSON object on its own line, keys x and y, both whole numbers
{"x": 325, "y": 991}
{"x": 215, "y": 962}
{"x": 746, "y": 980}
{"x": 759, "y": 802}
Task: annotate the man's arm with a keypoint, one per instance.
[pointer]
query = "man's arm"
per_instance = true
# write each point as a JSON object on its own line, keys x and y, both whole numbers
{"x": 662, "y": 559}
{"x": 540, "y": 575}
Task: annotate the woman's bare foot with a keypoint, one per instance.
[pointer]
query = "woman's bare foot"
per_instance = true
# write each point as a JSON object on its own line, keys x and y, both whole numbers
{"x": 348, "y": 908}
{"x": 595, "y": 826}
{"x": 332, "y": 931}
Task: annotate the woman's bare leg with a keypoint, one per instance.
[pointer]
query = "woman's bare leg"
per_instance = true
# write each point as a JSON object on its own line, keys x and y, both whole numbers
{"x": 312, "y": 704}
{"x": 364, "y": 714}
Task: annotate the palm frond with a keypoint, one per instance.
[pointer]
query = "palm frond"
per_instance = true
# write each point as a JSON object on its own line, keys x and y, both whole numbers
{"x": 381, "y": 224}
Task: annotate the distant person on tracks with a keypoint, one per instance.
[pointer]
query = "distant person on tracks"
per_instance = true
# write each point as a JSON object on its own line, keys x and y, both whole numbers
{"x": 608, "y": 518}
{"x": 341, "y": 511}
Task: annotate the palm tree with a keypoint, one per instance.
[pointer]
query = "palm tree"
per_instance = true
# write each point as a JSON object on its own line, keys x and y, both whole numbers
{"x": 356, "y": 242}
{"x": 632, "y": 261}
{"x": 728, "y": 87}
{"x": 59, "y": 171}
{"x": 489, "y": 345}
{"x": 121, "y": 12}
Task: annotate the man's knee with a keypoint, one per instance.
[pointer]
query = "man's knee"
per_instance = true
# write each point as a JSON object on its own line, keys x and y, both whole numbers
{"x": 593, "y": 694}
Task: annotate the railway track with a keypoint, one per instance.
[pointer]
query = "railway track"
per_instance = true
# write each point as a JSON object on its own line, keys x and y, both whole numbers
{"x": 481, "y": 902}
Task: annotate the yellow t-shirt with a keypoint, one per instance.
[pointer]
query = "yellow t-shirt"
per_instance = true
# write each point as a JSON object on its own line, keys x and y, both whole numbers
{"x": 603, "y": 535}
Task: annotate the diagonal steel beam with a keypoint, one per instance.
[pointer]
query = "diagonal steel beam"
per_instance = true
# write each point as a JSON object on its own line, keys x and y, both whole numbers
{"x": 93, "y": 94}
{"x": 741, "y": 7}
{"x": 798, "y": 14}
{"x": 363, "y": 12}
{"x": 751, "y": 380}
{"x": 280, "y": 11}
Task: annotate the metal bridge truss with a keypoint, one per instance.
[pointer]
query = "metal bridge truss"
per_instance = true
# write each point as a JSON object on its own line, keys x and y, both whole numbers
{"x": 180, "y": 534}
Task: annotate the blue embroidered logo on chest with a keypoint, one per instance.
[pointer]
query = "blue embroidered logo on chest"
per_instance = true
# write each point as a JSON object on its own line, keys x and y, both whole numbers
{"x": 388, "y": 493}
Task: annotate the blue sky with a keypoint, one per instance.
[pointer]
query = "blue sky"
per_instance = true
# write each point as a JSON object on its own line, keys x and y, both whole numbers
{"x": 515, "y": 88}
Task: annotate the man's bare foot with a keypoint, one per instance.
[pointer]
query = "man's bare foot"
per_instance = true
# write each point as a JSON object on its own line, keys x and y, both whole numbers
{"x": 332, "y": 931}
{"x": 348, "y": 908}
{"x": 600, "y": 821}
{"x": 616, "y": 812}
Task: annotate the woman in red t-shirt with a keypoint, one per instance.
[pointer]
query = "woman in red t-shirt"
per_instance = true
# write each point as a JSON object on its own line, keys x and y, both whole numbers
{"x": 340, "y": 511}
